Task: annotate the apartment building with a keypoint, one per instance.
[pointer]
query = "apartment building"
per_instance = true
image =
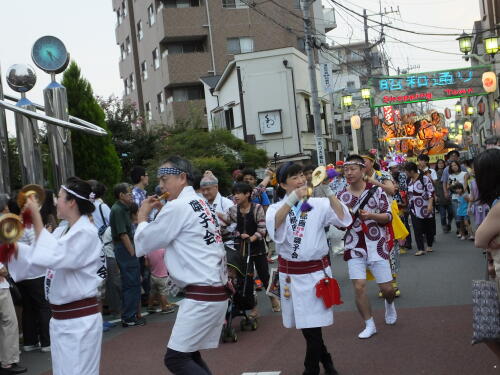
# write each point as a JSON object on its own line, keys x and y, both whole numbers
{"x": 167, "y": 45}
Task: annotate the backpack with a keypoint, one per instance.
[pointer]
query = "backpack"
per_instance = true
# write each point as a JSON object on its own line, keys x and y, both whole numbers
{"x": 104, "y": 226}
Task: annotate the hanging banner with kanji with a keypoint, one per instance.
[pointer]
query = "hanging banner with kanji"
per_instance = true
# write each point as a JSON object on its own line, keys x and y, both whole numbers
{"x": 423, "y": 87}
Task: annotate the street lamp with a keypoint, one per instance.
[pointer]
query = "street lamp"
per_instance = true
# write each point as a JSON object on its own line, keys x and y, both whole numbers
{"x": 458, "y": 108}
{"x": 470, "y": 110}
{"x": 366, "y": 93}
{"x": 465, "y": 43}
{"x": 491, "y": 45}
{"x": 346, "y": 100}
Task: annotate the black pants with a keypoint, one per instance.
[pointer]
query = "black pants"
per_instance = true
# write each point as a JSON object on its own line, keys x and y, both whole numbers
{"x": 406, "y": 222}
{"x": 316, "y": 351}
{"x": 423, "y": 229}
{"x": 36, "y": 312}
{"x": 262, "y": 268}
{"x": 180, "y": 363}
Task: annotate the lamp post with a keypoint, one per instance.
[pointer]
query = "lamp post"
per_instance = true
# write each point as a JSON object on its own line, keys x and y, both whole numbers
{"x": 366, "y": 93}
{"x": 458, "y": 108}
{"x": 470, "y": 110}
{"x": 491, "y": 45}
{"x": 465, "y": 43}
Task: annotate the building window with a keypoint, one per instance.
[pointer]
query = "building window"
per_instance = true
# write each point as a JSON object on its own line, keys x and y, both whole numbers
{"x": 234, "y": 4}
{"x": 351, "y": 85}
{"x": 140, "y": 32}
{"x": 301, "y": 44}
{"x": 296, "y": 4}
{"x": 125, "y": 86}
{"x": 151, "y": 15}
{"x": 239, "y": 45}
{"x": 184, "y": 47}
{"x": 217, "y": 120}
{"x": 229, "y": 118}
{"x": 156, "y": 58}
{"x": 149, "y": 114}
{"x": 128, "y": 45}
{"x": 324, "y": 119}
{"x": 183, "y": 94}
{"x": 144, "y": 70}
{"x": 309, "y": 116}
{"x": 123, "y": 51}
{"x": 132, "y": 82}
{"x": 180, "y": 3}
{"x": 161, "y": 102}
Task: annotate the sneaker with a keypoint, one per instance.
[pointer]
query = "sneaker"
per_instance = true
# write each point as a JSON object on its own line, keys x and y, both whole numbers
{"x": 391, "y": 315}
{"x": 13, "y": 369}
{"x": 471, "y": 238}
{"x": 151, "y": 309}
{"x": 169, "y": 309}
{"x": 45, "y": 349}
{"x": 133, "y": 322}
{"x": 419, "y": 253}
{"x": 258, "y": 285}
{"x": 30, "y": 348}
{"x": 463, "y": 238}
{"x": 368, "y": 332}
{"x": 402, "y": 250}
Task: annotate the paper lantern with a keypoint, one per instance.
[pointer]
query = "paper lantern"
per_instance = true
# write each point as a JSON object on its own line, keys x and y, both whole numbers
{"x": 467, "y": 126}
{"x": 376, "y": 120}
{"x": 481, "y": 108}
{"x": 356, "y": 122}
{"x": 489, "y": 81}
{"x": 447, "y": 113}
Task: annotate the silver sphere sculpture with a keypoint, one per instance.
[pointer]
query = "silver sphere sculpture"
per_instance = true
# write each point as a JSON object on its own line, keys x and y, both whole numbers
{"x": 21, "y": 78}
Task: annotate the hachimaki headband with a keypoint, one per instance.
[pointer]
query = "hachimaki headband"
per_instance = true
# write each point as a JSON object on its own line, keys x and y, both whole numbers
{"x": 347, "y": 163}
{"x": 91, "y": 197}
{"x": 169, "y": 170}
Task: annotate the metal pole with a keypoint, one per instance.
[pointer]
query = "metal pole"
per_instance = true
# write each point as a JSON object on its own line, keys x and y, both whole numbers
{"x": 309, "y": 40}
{"x": 56, "y": 105}
{"x": 28, "y": 143}
{"x": 369, "y": 71}
{"x": 4, "y": 148}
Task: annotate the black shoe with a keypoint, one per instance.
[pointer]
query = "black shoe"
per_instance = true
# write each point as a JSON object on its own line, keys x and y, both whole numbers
{"x": 14, "y": 369}
{"x": 133, "y": 322}
{"x": 327, "y": 362}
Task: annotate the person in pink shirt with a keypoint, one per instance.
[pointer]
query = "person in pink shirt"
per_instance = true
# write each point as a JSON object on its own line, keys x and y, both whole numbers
{"x": 155, "y": 260}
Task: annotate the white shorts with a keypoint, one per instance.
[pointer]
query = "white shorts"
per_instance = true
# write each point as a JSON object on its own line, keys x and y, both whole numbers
{"x": 381, "y": 269}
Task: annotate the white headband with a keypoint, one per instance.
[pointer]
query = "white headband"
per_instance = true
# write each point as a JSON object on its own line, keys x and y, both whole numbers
{"x": 347, "y": 163}
{"x": 91, "y": 197}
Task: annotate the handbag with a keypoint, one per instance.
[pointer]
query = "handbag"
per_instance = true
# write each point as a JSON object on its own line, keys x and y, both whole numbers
{"x": 485, "y": 311}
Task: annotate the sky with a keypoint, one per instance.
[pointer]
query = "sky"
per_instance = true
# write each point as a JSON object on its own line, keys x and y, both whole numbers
{"x": 87, "y": 28}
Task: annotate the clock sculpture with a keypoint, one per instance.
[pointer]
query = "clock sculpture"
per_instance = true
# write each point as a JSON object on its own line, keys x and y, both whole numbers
{"x": 50, "y": 55}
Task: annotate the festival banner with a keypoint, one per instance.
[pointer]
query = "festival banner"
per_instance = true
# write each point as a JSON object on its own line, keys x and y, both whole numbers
{"x": 423, "y": 87}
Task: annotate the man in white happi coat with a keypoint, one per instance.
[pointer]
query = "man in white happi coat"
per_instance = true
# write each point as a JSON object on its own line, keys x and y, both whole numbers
{"x": 195, "y": 259}
{"x": 303, "y": 260}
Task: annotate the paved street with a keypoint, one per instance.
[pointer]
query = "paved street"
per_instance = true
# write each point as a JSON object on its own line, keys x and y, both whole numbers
{"x": 432, "y": 335}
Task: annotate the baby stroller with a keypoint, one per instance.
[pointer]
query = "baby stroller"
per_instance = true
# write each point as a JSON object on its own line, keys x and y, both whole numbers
{"x": 240, "y": 271}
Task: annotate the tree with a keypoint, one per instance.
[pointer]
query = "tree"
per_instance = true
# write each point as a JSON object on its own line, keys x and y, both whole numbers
{"x": 218, "y": 150}
{"x": 95, "y": 156}
{"x": 135, "y": 143}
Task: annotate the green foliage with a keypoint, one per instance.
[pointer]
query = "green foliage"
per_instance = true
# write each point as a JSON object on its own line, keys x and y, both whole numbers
{"x": 14, "y": 166}
{"x": 135, "y": 143}
{"x": 95, "y": 157}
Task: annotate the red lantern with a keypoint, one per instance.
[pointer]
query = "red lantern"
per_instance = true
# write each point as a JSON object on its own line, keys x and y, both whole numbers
{"x": 466, "y": 109}
{"x": 481, "y": 108}
{"x": 375, "y": 120}
{"x": 447, "y": 113}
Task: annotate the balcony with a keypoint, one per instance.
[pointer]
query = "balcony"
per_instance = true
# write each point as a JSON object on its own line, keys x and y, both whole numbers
{"x": 193, "y": 110}
{"x": 329, "y": 19}
{"x": 182, "y": 23}
{"x": 187, "y": 67}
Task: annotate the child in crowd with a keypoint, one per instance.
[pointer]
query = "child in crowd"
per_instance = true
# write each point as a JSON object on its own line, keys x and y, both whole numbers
{"x": 156, "y": 263}
{"x": 462, "y": 217}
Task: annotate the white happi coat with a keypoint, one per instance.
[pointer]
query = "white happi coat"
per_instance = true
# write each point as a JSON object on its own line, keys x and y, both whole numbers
{"x": 303, "y": 309}
{"x": 74, "y": 267}
{"x": 195, "y": 256}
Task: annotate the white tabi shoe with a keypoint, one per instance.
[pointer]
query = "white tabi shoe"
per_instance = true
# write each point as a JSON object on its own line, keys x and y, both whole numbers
{"x": 368, "y": 332}
{"x": 391, "y": 316}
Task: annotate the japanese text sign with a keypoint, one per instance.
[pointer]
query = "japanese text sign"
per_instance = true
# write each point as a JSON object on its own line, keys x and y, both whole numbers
{"x": 421, "y": 87}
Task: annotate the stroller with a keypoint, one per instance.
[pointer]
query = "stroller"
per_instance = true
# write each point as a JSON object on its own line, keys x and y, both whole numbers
{"x": 240, "y": 272}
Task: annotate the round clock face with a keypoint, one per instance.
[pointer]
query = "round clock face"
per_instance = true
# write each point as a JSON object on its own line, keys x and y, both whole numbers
{"x": 50, "y": 55}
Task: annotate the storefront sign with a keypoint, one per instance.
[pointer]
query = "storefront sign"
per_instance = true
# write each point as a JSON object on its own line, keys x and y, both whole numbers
{"x": 270, "y": 122}
{"x": 422, "y": 87}
{"x": 326, "y": 77}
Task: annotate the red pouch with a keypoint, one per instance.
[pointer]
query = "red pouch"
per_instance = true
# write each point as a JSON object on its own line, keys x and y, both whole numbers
{"x": 7, "y": 251}
{"x": 328, "y": 290}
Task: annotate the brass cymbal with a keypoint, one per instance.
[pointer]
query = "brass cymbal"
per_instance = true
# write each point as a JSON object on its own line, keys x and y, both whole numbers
{"x": 11, "y": 228}
{"x": 29, "y": 190}
{"x": 318, "y": 175}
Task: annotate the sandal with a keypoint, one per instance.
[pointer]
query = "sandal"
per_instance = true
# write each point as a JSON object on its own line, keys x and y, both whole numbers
{"x": 419, "y": 253}
{"x": 276, "y": 305}
{"x": 429, "y": 250}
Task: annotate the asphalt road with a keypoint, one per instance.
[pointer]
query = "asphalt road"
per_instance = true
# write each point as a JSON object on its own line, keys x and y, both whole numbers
{"x": 432, "y": 335}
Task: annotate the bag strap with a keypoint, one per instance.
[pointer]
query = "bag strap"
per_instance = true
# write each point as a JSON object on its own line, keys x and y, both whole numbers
{"x": 102, "y": 215}
{"x": 372, "y": 191}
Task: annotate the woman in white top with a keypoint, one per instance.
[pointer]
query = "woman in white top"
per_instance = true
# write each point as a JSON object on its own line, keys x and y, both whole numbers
{"x": 72, "y": 257}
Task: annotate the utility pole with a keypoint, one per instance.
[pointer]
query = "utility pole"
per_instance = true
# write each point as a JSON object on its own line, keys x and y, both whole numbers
{"x": 309, "y": 43}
